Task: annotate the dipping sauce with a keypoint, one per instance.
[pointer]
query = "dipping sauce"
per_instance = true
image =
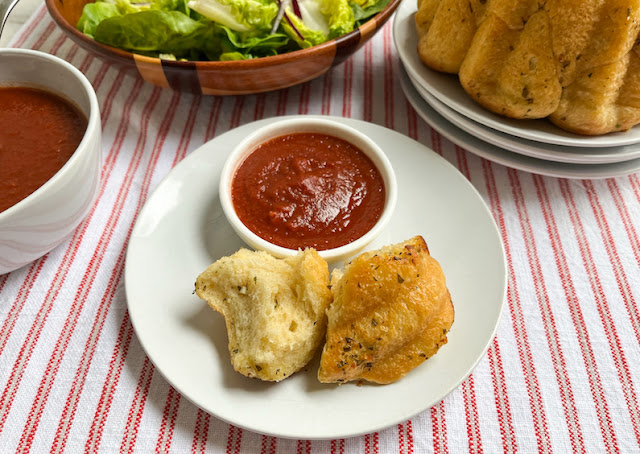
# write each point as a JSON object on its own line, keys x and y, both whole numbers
{"x": 308, "y": 190}
{"x": 39, "y": 131}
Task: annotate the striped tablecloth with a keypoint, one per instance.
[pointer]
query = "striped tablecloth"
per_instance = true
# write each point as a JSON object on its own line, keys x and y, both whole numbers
{"x": 562, "y": 375}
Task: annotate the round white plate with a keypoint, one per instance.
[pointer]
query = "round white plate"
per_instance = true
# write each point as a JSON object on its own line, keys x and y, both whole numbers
{"x": 447, "y": 89}
{"x": 508, "y": 158}
{"x": 526, "y": 147}
{"x": 182, "y": 229}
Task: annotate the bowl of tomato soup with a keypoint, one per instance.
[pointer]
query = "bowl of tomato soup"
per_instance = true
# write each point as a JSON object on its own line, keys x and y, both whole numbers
{"x": 49, "y": 153}
{"x": 308, "y": 182}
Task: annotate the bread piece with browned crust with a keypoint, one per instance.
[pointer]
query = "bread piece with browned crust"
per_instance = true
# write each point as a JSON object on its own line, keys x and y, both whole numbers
{"x": 391, "y": 311}
{"x": 274, "y": 309}
{"x": 574, "y": 61}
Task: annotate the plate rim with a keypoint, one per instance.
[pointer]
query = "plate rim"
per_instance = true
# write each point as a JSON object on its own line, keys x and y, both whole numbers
{"x": 507, "y": 158}
{"x": 346, "y": 434}
{"x": 518, "y": 145}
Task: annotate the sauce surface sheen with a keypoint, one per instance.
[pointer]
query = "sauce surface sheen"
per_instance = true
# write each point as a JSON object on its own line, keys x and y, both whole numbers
{"x": 39, "y": 133}
{"x": 308, "y": 190}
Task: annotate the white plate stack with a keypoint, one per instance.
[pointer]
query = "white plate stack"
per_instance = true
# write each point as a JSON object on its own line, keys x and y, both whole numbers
{"x": 535, "y": 146}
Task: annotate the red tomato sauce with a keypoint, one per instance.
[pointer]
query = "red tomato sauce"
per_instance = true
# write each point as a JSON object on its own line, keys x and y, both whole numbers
{"x": 308, "y": 190}
{"x": 39, "y": 131}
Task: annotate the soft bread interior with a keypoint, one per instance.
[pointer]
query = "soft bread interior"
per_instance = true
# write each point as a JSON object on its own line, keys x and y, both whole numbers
{"x": 274, "y": 309}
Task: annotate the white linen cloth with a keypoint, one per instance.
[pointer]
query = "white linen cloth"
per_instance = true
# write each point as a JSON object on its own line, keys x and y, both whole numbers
{"x": 562, "y": 374}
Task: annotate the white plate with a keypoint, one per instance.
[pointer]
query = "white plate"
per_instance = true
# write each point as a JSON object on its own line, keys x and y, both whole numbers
{"x": 538, "y": 150}
{"x": 447, "y": 89}
{"x": 504, "y": 157}
{"x": 182, "y": 229}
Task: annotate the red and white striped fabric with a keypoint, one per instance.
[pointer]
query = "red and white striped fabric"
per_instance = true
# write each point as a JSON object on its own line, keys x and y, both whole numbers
{"x": 562, "y": 375}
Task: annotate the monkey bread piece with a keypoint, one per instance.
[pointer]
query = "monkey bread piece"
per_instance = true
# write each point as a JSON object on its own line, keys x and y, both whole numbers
{"x": 391, "y": 311}
{"x": 574, "y": 61}
{"x": 274, "y": 309}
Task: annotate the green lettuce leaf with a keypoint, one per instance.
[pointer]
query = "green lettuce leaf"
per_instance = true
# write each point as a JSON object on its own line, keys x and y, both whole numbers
{"x": 232, "y": 56}
{"x": 339, "y": 16}
{"x": 254, "y": 46}
{"x": 174, "y": 5}
{"x": 321, "y": 21}
{"x": 93, "y": 14}
{"x": 247, "y": 16}
{"x": 154, "y": 32}
{"x": 167, "y": 32}
{"x": 310, "y": 37}
{"x": 364, "y": 11}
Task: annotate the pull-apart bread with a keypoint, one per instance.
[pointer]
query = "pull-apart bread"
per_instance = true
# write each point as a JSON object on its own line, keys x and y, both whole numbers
{"x": 574, "y": 61}
{"x": 274, "y": 309}
{"x": 391, "y": 311}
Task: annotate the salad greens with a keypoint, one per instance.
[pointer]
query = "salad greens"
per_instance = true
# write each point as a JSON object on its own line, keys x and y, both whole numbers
{"x": 246, "y": 16}
{"x": 222, "y": 29}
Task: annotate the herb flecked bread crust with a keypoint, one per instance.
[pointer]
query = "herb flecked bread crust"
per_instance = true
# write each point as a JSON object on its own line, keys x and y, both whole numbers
{"x": 274, "y": 309}
{"x": 391, "y": 311}
{"x": 576, "y": 62}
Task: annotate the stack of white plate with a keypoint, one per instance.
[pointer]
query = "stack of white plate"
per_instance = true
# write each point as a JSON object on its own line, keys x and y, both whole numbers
{"x": 536, "y": 146}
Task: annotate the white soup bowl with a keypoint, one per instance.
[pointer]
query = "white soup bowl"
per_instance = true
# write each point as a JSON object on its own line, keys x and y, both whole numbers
{"x": 39, "y": 222}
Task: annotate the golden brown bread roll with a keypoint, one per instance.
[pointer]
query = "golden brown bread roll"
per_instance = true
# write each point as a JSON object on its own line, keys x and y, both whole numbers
{"x": 391, "y": 311}
{"x": 574, "y": 61}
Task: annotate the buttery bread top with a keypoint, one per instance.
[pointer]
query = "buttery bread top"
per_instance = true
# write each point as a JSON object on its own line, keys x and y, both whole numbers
{"x": 274, "y": 309}
{"x": 576, "y": 62}
{"x": 391, "y": 311}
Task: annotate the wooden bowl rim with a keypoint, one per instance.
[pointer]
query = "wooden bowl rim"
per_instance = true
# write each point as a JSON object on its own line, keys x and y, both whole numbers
{"x": 273, "y": 60}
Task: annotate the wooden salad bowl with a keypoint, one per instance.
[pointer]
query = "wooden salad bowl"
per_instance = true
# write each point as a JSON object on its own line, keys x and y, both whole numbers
{"x": 229, "y": 77}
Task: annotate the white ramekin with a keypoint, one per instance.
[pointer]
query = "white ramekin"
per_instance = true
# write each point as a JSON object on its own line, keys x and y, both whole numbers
{"x": 304, "y": 124}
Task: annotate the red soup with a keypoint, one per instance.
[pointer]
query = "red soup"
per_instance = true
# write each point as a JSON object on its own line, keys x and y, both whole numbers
{"x": 38, "y": 134}
{"x": 308, "y": 190}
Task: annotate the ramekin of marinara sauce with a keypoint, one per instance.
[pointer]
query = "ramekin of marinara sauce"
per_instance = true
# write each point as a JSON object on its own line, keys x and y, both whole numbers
{"x": 306, "y": 182}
